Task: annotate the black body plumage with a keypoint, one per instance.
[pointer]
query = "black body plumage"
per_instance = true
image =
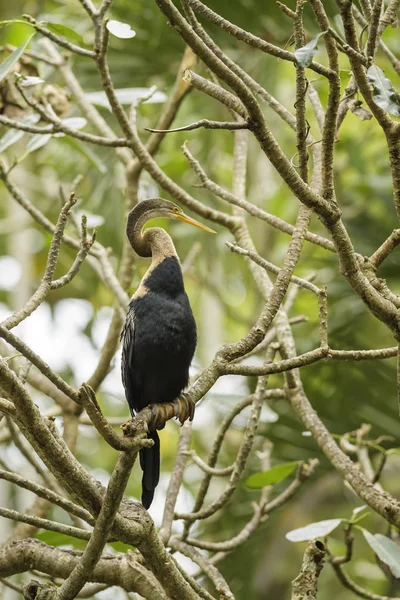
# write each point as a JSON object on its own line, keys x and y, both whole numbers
{"x": 158, "y": 344}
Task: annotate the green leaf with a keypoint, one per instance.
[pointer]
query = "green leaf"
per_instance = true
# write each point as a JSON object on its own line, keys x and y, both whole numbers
{"x": 87, "y": 152}
{"x": 37, "y": 141}
{"x": 13, "y": 135}
{"x": 386, "y": 550}
{"x": 358, "y": 509}
{"x": 25, "y": 81}
{"x": 305, "y": 54}
{"x": 10, "y": 61}
{"x": 383, "y": 91}
{"x": 274, "y": 475}
{"x": 393, "y": 451}
{"x": 53, "y": 538}
{"x": 313, "y": 530}
{"x": 358, "y": 514}
{"x": 120, "y": 547}
{"x": 126, "y": 96}
{"x": 74, "y": 123}
{"x": 67, "y": 32}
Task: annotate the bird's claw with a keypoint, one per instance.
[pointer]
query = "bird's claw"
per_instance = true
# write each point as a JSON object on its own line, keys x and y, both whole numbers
{"x": 158, "y": 417}
{"x": 183, "y": 408}
{"x": 186, "y": 408}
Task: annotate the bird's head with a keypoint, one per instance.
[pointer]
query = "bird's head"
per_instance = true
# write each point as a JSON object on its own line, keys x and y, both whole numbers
{"x": 155, "y": 208}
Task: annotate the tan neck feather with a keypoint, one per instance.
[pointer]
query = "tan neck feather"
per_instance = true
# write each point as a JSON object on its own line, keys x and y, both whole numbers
{"x": 161, "y": 246}
{"x": 160, "y": 243}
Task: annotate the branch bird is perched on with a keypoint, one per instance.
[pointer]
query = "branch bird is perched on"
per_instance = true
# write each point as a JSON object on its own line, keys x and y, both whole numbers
{"x": 159, "y": 337}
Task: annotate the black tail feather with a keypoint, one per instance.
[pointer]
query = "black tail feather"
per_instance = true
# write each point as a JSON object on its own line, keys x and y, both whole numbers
{"x": 150, "y": 463}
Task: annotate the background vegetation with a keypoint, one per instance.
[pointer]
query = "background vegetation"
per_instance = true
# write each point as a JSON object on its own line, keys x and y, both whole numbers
{"x": 69, "y": 328}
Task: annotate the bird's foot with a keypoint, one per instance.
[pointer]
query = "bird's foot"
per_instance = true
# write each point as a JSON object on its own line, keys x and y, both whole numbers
{"x": 183, "y": 408}
{"x": 159, "y": 414}
{"x": 186, "y": 408}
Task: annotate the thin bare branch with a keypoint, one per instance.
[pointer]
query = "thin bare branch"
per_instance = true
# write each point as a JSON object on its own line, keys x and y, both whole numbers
{"x": 8, "y": 513}
{"x": 47, "y": 494}
{"x": 230, "y": 125}
{"x": 249, "y": 38}
{"x": 57, "y": 39}
{"x": 38, "y": 362}
{"x": 175, "y": 481}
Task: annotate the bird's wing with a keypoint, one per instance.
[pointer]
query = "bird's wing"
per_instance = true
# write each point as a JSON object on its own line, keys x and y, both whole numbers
{"x": 127, "y": 362}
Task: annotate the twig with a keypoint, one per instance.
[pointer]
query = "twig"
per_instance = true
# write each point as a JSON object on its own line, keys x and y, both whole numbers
{"x": 250, "y": 39}
{"x": 348, "y": 540}
{"x": 358, "y": 69}
{"x": 235, "y": 541}
{"x": 60, "y": 127}
{"x": 213, "y": 456}
{"x": 356, "y": 589}
{"x": 248, "y": 206}
{"x": 386, "y": 248}
{"x": 309, "y": 358}
{"x": 273, "y": 268}
{"x": 301, "y": 92}
{"x": 243, "y": 452}
{"x": 366, "y": 8}
{"x": 323, "y": 317}
{"x": 216, "y": 92}
{"x": 288, "y": 11}
{"x": 393, "y": 59}
{"x": 398, "y": 377}
{"x": 30, "y": 456}
{"x": 175, "y": 481}
{"x": 255, "y": 87}
{"x": 89, "y": 7}
{"x": 7, "y": 407}
{"x": 47, "y": 282}
{"x": 231, "y": 125}
{"x": 8, "y": 513}
{"x": 101, "y": 264}
{"x": 38, "y": 362}
{"x": 374, "y": 23}
{"x": 98, "y": 538}
{"x": 271, "y": 335}
{"x": 257, "y": 123}
{"x": 58, "y": 40}
{"x": 379, "y": 470}
{"x": 192, "y": 581}
{"x": 47, "y": 494}
{"x": 206, "y": 468}
{"x": 87, "y": 398}
{"x": 12, "y": 586}
{"x": 208, "y": 569}
{"x": 261, "y": 509}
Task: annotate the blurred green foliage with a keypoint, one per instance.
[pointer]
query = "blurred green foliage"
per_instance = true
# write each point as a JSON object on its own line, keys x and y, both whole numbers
{"x": 344, "y": 394}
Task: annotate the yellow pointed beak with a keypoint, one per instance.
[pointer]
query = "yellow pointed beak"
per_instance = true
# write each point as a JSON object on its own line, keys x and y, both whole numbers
{"x": 191, "y": 221}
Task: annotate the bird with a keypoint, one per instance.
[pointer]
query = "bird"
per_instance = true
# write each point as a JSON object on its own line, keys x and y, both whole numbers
{"x": 159, "y": 336}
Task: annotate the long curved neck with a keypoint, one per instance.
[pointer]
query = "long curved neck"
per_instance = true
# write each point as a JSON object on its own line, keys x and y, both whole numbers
{"x": 154, "y": 242}
{"x": 136, "y": 220}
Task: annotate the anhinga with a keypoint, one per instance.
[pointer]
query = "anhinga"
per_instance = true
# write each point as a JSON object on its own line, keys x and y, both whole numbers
{"x": 159, "y": 337}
